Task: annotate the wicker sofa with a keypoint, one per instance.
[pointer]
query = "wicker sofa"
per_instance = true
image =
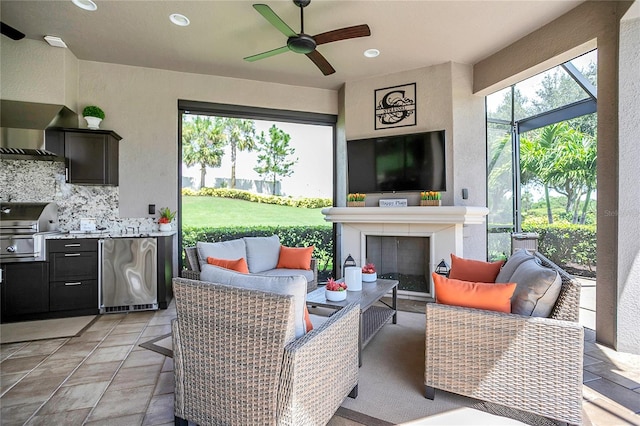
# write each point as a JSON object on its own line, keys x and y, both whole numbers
{"x": 237, "y": 361}
{"x": 193, "y": 263}
{"x": 528, "y": 363}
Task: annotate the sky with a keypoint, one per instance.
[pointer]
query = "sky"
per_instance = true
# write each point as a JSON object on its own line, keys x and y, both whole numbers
{"x": 312, "y": 174}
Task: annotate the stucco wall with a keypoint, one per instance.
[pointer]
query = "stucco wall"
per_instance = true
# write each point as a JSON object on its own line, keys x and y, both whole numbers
{"x": 33, "y": 71}
{"x": 141, "y": 104}
{"x": 443, "y": 101}
{"x": 628, "y": 211}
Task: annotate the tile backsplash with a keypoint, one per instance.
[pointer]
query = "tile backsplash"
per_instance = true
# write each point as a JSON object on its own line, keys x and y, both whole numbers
{"x": 44, "y": 181}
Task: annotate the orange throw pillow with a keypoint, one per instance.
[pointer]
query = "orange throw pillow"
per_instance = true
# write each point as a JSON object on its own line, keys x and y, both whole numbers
{"x": 488, "y": 296}
{"x": 295, "y": 257}
{"x": 239, "y": 265}
{"x": 474, "y": 270}
{"x": 307, "y": 320}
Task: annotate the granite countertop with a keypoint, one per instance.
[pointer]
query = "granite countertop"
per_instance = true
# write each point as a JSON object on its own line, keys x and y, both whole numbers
{"x": 107, "y": 234}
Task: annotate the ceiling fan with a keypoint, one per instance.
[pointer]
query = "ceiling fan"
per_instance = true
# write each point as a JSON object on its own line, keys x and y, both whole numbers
{"x": 304, "y": 43}
{"x": 9, "y": 31}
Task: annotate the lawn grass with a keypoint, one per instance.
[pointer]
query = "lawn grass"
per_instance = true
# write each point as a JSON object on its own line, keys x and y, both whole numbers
{"x": 224, "y": 212}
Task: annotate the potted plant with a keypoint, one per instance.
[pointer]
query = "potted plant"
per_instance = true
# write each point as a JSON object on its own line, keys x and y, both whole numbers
{"x": 369, "y": 274}
{"x": 94, "y": 115}
{"x": 335, "y": 291}
{"x": 166, "y": 217}
{"x": 430, "y": 198}
{"x": 356, "y": 200}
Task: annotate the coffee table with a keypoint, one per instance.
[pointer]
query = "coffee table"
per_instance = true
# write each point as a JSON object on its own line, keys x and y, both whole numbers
{"x": 372, "y": 317}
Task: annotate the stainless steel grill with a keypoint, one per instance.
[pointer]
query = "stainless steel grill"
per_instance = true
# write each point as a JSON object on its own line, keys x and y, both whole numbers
{"x": 22, "y": 230}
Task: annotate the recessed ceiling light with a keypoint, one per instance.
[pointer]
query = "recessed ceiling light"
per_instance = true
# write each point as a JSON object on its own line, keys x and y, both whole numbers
{"x": 371, "y": 53}
{"x": 179, "y": 19}
{"x": 85, "y": 4}
{"x": 55, "y": 41}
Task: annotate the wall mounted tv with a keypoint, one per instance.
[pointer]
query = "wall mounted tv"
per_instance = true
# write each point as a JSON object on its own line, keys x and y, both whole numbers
{"x": 414, "y": 162}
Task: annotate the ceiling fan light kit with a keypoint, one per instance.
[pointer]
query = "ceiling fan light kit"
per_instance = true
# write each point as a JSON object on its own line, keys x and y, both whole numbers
{"x": 304, "y": 43}
{"x": 9, "y": 31}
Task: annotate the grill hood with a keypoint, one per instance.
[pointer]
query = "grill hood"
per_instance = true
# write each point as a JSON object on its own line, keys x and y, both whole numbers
{"x": 22, "y": 127}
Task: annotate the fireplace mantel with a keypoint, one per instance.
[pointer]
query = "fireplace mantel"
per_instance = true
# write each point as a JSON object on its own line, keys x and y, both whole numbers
{"x": 452, "y": 215}
{"x": 443, "y": 225}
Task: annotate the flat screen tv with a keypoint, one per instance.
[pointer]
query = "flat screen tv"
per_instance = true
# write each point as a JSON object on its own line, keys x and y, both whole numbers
{"x": 413, "y": 162}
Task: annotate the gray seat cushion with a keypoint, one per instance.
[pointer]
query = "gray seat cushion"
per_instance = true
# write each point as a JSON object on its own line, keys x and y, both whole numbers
{"x": 232, "y": 249}
{"x": 262, "y": 253}
{"x": 308, "y": 274}
{"x": 295, "y": 286}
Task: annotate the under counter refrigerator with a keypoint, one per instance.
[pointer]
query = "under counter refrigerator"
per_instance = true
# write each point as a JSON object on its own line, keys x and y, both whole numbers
{"x": 128, "y": 274}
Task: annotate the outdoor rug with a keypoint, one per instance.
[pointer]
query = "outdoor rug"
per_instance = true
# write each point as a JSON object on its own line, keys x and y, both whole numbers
{"x": 44, "y": 329}
{"x": 391, "y": 385}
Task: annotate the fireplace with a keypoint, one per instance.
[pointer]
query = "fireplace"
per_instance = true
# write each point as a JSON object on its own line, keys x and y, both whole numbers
{"x": 405, "y": 259}
{"x": 435, "y": 232}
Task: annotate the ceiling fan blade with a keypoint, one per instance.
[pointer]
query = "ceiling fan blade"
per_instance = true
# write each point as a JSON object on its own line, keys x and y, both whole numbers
{"x": 274, "y": 19}
{"x": 10, "y": 32}
{"x": 321, "y": 62}
{"x": 343, "y": 34}
{"x": 267, "y": 54}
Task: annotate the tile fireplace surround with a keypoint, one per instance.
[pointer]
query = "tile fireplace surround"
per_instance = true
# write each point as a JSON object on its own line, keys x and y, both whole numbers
{"x": 443, "y": 225}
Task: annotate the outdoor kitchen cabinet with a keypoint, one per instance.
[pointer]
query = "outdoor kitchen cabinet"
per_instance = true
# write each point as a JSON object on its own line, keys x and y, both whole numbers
{"x": 25, "y": 290}
{"x": 73, "y": 276}
{"x": 91, "y": 155}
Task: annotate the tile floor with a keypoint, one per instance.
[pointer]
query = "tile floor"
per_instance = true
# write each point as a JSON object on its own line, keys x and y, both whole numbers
{"x": 104, "y": 378}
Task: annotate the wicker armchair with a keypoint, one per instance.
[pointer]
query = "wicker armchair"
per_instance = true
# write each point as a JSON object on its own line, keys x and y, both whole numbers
{"x": 193, "y": 268}
{"x": 236, "y": 361}
{"x": 527, "y": 363}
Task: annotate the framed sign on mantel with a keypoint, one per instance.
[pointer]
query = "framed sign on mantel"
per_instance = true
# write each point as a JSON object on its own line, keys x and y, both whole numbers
{"x": 395, "y": 106}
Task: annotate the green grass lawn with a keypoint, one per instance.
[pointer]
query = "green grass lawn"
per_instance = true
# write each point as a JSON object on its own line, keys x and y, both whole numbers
{"x": 223, "y": 212}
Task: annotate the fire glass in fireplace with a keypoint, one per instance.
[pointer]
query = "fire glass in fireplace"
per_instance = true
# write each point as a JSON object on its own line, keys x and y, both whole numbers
{"x": 405, "y": 259}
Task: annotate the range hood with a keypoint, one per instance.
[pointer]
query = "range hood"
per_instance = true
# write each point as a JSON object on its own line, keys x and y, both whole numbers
{"x": 22, "y": 126}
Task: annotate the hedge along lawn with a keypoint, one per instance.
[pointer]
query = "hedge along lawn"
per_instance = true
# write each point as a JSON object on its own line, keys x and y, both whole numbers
{"x": 225, "y": 212}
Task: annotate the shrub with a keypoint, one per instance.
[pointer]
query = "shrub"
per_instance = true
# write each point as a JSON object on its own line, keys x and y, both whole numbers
{"x": 238, "y": 194}
{"x": 565, "y": 243}
{"x": 93, "y": 111}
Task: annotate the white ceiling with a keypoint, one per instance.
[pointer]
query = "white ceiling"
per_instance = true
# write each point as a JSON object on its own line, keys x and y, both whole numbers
{"x": 409, "y": 34}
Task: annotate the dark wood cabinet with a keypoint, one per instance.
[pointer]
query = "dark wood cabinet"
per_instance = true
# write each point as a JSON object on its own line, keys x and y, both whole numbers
{"x": 165, "y": 271}
{"x": 91, "y": 155}
{"x": 25, "y": 290}
{"x": 73, "y": 276}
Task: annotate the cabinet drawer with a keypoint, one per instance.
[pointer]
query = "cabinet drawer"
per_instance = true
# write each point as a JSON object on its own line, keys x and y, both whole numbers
{"x": 73, "y": 266}
{"x": 70, "y": 295}
{"x": 72, "y": 245}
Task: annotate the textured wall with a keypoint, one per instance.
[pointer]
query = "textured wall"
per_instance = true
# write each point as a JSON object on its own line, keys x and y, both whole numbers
{"x": 628, "y": 211}
{"x": 443, "y": 101}
{"x": 33, "y": 71}
{"x": 141, "y": 105}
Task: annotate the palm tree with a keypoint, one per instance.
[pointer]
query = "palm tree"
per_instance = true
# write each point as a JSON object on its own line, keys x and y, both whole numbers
{"x": 537, "y": 162}
{"x": 240, "y": 135}
{"x": 203, "y": 141}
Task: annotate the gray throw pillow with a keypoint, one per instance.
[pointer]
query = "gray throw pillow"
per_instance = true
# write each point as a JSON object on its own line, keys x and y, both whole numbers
{"x": 537, "y": 289}
{"x": 232, "y": 249}
{"x": 516, "y": 259}
{"x": 262, "y": 253}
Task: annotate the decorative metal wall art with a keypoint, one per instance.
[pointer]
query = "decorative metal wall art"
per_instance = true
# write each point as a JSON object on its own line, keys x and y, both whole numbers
{"x": 395, "y": 106}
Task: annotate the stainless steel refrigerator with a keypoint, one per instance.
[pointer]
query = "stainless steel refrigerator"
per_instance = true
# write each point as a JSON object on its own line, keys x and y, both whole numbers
{"x": 128, "y": 274}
